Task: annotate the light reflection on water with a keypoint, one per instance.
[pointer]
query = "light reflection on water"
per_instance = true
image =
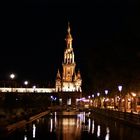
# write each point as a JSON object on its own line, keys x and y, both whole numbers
{"x": 75, "y": 128}
{"x": 34, "y": 130}
{"x": 25, "y": 137}
{"x": 92, "y": 126}
{"x": 107, "y": 133}
{"x": 98, "y": 131}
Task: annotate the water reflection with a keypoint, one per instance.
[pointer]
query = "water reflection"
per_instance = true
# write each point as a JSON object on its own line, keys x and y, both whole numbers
{"x": 25, "y": 137}
{"x": 107, "y": 134}
{"x": 89, "y": 124}
{"x": 92, "y": 126}
{"x": 34, "y": 130}
{"x": 98, "y": 131}
{"x": 81, "y": 127}
{"x": 51, "y": 124}
{"x": 70, "y": 129}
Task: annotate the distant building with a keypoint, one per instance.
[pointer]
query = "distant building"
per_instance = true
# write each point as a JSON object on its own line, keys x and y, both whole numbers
{"x": 69, "y": 81}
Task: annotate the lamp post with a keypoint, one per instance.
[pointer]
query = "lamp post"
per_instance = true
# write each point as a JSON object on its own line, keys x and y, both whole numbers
{"x": 120, "y": 100}
{"x": 52, "y": 98}
{"x": 105, "y": 100}
{"x": 12, "y": 76}
{"x": 93, "y": 100}
{"x": 99, "y": 102}
{"x": 26, "y": 83}
{"x": 133, "y": 102}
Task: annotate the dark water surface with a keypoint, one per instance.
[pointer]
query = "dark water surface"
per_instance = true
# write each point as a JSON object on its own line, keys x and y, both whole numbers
{"x": 79, "y": 127}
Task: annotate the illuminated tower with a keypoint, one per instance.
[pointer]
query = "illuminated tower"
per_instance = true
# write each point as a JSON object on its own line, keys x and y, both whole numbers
{"x": 70, "y": 81}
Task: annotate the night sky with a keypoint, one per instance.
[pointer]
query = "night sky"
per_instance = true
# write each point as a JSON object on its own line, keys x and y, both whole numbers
{"x": 106, "y": 41}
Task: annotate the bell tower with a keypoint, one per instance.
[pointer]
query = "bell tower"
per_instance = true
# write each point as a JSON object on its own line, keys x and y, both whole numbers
{"x": 69, "y": 81}
{"x": 69, "y": 63}
{"x": 68, "y": 84}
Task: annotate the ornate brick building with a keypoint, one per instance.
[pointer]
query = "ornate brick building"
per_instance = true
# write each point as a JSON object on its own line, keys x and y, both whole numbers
{"x": 69, "y": 83}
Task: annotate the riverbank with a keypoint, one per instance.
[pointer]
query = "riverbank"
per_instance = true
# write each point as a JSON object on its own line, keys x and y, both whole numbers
{"x": 124, "y": 117}
{"x": 12, "y": 127}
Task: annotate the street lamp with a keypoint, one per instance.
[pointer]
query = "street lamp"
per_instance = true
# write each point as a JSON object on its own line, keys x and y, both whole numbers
{"x": 98, "y": 100}
{"x": 12, "y": 76}
{"x": 98, "y": 94}
{"x": 133, "y": 102}
{"x": 93, "y": 99}
{"x": 106, "y": 92}
{"x": 105, "y": 100}
{"x": 26, "y": 83}
{"x": 120, "y": 89}
{"x": 52, "y": 101}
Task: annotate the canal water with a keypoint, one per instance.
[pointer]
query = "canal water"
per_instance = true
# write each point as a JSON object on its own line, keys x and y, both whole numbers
{"x": 78, "y": 127}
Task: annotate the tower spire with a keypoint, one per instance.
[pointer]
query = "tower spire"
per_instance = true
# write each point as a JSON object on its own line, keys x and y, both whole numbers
{"x": 69, "y": 37}
{"x": 70, "y": 80}
{"x": 68, "y": 28}
{"x": 58, "y": 74}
